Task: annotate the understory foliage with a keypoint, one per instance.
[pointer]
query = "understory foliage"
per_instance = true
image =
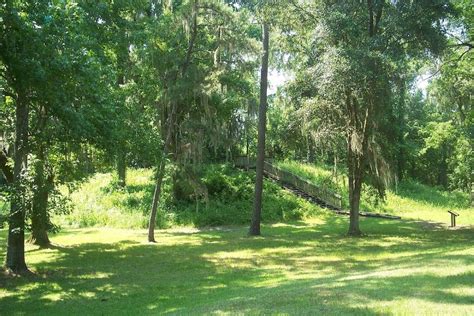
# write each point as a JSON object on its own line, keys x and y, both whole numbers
{"x": 98, "y": 202}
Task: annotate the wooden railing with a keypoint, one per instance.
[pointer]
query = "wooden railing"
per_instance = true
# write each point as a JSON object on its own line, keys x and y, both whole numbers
{"x": 323, "y": 194}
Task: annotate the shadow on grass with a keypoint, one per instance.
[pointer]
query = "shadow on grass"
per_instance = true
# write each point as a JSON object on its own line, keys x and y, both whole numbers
{"x": 295, "y": 268}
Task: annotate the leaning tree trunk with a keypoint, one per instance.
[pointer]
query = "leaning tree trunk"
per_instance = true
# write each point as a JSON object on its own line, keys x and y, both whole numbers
{"x": 156, "y": 197}
{"x": 39, "y": 214}
{"x": 262, "y": 121}
{"x": 160, "y": 175}
{"x": 15, "y": 260}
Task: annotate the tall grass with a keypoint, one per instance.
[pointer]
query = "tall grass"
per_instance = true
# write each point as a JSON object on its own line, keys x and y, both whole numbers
{"x": 414, "y": 200}
{"x": 95, "y": 203}
{"x": 99, "y": 202}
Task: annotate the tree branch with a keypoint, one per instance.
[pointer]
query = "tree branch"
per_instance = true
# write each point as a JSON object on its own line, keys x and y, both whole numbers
{"x": 454, "y": 60}
{"x": 301, "y": 9}
{"x": 463, "y": 44}
{"x": 370, "y": 7}
{"x": 192, "y": 41}
{"x": 378, "y": 15}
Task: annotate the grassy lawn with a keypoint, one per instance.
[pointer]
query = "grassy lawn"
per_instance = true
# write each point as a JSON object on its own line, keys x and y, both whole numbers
{"x": 306, "y": 267}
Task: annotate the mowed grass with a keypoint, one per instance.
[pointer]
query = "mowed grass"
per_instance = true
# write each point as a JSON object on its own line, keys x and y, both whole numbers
{"x": 307, "y": 267}
{"x": 408, "y": 199}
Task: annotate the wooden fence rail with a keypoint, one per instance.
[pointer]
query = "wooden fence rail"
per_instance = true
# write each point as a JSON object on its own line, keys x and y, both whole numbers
{"x": 330, "y": 198}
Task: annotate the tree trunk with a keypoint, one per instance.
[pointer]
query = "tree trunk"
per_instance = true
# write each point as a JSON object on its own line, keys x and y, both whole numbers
{"x": 39, "y": 215}
{"x": 354, "y": 229}
{"x": 160, "y": 175}
{"x": 247, "y": 136}
{"x": 15, "y": 259}
{"x": 262, "y": 121}
{"x": 122, "y": 169}
{"x": 401, "y": 131}
{"x": 156, "y": 198}
{"x": 355, "y": 185}
{"x": 354, "y": 164}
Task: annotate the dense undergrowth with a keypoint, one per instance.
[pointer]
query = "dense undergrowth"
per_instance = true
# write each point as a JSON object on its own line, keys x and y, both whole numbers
{"x": 99, "y": 202}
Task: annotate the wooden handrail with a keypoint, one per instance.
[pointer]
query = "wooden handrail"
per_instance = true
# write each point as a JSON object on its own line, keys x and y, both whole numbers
{"x": 327, "y": 196}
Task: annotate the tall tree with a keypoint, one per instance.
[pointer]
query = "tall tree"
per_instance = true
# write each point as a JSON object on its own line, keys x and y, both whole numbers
{"x": 47, "y": 46}
{"x": 18, "y": 49}
{"x": 262, "y": 125}
{"x": 171, "y": 119}
{"x": 202, "y": 75}
{"x": 354, "y": 49}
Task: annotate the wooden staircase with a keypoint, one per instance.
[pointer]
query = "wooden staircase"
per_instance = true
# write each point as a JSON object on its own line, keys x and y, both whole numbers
{"x": 304, "y": 189}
